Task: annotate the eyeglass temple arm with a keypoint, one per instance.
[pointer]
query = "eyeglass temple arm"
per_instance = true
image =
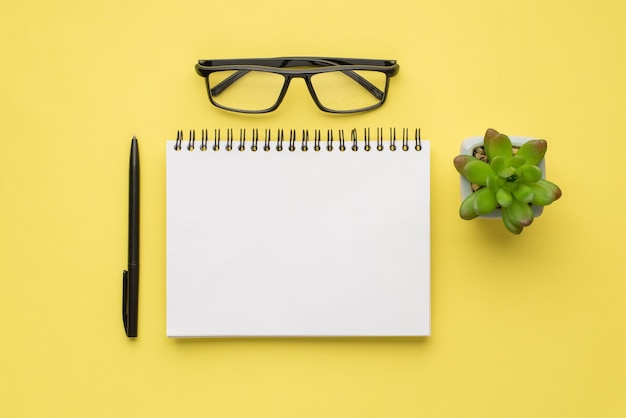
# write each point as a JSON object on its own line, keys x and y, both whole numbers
{"x": 227, "y": 82}
{"x": 372, "y": 89}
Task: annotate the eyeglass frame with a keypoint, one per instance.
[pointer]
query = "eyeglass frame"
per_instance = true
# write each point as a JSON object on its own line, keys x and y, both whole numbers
{"x": 281, "y": 66}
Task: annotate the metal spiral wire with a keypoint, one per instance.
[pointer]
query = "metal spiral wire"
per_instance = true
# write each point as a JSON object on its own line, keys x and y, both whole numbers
{"x": 295, "y": 143}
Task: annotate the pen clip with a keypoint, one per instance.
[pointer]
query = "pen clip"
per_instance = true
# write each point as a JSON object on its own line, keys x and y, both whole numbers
{"x": 125, "y": 301}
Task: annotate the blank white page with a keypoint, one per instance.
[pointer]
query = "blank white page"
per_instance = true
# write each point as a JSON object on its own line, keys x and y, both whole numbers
{"x": 298, "y": 243}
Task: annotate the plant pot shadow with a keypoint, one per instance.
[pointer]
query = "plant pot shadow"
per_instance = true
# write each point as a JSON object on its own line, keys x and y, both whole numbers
{"x": 496, "y": 237}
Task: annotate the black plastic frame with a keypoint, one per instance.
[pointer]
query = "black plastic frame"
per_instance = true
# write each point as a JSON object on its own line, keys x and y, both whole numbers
{"x": 283, "y": 66}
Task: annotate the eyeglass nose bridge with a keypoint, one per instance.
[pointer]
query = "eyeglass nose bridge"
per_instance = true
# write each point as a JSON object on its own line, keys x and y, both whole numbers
{"x": 309, "y": 85}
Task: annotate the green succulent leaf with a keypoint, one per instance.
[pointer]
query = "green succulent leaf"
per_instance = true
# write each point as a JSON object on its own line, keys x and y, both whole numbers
{"x": 460, "y": 161}
{"x": 491, "y": 133}
{"x": 520, "y": 213}
{"x": 500, "y": 167}
{"x": 493, "y": 182}
{"x": 533, "y": 151}
{"x": 504, "y": 197}
{"x": 477, "y": 172}
{"x": 509, "y": 224}
{"x": 497, "y": 145}
{"x": 516, "y": 162}
{"x": 545, "y": 192}
{"x": 467, "y": 211}
{"x": 529, "y": 174}
{"x": 509, "y": 187}
{"x": 485, "y": 201}
{"x": 524, "y": 194}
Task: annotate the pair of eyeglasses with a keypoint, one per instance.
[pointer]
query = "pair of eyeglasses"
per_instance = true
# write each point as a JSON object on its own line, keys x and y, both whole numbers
{"x": 259, "y": 85}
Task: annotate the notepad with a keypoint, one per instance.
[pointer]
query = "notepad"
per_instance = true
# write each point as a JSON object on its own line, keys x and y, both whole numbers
{"x": 298, "y": 243}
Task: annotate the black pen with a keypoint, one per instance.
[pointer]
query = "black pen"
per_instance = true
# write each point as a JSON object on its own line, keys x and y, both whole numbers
{"x": 130, "y": 298}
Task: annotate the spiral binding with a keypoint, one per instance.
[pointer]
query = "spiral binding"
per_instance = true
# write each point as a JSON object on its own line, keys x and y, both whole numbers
{"x": 293, "y": 143}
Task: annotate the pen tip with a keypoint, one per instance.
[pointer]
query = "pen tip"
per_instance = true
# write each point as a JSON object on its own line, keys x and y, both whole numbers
{"x": 134, "y": 136}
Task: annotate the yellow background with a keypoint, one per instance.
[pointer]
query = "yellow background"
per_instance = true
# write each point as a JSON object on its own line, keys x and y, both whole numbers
{"x": 522, "y": 326}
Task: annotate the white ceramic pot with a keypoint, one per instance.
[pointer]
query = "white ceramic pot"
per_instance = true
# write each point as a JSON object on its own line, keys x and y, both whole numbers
{"x": 467, "y": 148}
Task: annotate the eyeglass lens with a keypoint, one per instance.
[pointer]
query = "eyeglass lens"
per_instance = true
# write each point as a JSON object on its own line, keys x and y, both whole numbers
{"x": 256, "y": 91}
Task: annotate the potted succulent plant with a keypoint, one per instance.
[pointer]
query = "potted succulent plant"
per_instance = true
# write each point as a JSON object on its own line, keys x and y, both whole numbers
{"x": 504, "y": 177}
